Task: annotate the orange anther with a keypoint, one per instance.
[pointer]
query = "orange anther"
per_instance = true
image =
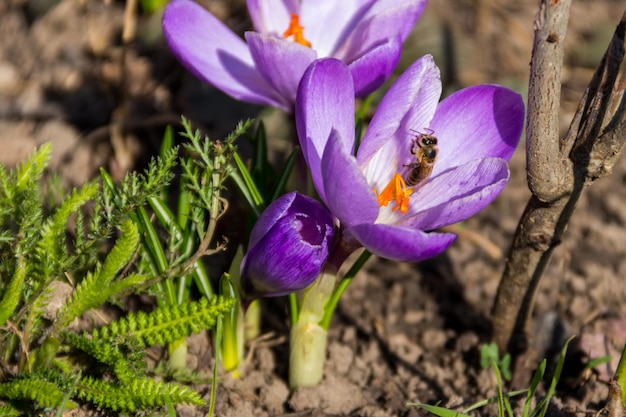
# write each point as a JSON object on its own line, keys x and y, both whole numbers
{"x": 398, "y": 191}
{"x": 296, "y": 31}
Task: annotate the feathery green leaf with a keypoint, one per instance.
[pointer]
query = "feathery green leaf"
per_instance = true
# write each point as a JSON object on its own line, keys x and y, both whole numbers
{"x": 42, "y": 392}
{"x": 167, "y": 323}
{"x": 95, "y": 289}
{"x": 51, "y": 245}
{"x": 30, "y": 171}
{"x": 138, "y": 394}
{"x": 12, "y": 295}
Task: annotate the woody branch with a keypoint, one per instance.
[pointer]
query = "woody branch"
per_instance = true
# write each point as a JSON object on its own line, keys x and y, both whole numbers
{"x": 557, "y": 170}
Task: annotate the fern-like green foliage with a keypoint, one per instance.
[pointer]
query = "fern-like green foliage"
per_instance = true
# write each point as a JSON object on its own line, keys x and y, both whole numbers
{"x": 140, "y": 393}
{"x": 117, "y": 203}
{"x": 33, "y": 168}
{"x": 206, "y": 174}
{"x": 51, "y": 247}
{"x": 43, "y": 392}
{"x": 33, "y": 250}
{"x": 20, "y": 198}
{"x": 7, "y": 410}
{"x": 20, "y": 221}
{"x": 125, "y": 360}
{"x": 167, "y": 323}
{"x": 67, "y": 249}
{"x": 95, "y": 289}
{"x": 13, "y": 292}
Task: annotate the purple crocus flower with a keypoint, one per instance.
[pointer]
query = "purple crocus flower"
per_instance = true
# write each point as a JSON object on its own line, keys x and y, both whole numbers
{"x": 477, "y": 130}
{"x": 289, "y": 35}
{"x": 288, "y": 247}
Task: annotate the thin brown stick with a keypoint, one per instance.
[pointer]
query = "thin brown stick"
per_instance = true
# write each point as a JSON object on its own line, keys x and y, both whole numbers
{"x": 24, "y": 354}
{"x": 548, "y": 173}
{"x": 589, "y": 150}
{"x": 614, "y": 406}
{"x": 479, "y": 239}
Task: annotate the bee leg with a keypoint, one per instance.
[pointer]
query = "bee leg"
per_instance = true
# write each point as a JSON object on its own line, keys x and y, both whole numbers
{"x": 415, "y": 147}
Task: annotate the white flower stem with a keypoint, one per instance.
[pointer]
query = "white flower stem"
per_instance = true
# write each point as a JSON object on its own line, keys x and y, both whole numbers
{"x": 307, "y": 344}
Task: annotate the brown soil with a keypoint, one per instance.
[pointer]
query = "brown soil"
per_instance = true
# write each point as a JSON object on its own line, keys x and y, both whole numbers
{"x": 403, "y": 332}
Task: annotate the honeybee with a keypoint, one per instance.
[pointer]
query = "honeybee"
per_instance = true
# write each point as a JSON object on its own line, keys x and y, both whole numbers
{"x": 425, "y": 149}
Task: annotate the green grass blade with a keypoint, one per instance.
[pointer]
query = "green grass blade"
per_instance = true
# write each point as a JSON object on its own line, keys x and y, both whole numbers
{"x": 247, "y": 195}
{"x": 332, "y": 303}
{"x": 109, "y": 184}
{"x": 249, "y": 185}
{"x": 260, "y": 166}
{"x": 219, "y": 330}
{"x": 260, "y": 150}
{"x": 284, "y": 175}
{"x": 594, "y": 363}
{"x": 492, "y": 400}
{"x": 533, "y": 387}
{"x": 496, "y": 369}
{"x": 155, "y": 249}
{"x": 165, "y": 216}
{"x": 440, "y": 411}
{"x": 555, "y": 378}
{"x": 168, "y": 141}
{"x": 184, "y": 207}
{"x": 155, "y": 252}
{"x": 507, "y": 406}
{"x": 202, "y": 280}
{"x": 231, "y": 346}
{"x": 200, "y": 276}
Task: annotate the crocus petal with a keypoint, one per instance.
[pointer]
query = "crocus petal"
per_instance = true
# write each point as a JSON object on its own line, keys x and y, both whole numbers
{"x": 477, "y": 122}
{"x": 393, "y": 17}
{"x": 397, "y": 243}
{"x": 406, "y": 109}
{"x": 370, "y": 70}
{"x": 282, "y": 62}
{"x": 456, "y": 194}
{"x": 271, "y": 215}
{"x": 271, "y": 17}
{"x": 386, "y": 19}
{"x": 282, "y": 262}
{"x": 291, "y": 253}
{"x": 348, "y": 196}
{"x": 325, "y": 101}
{"x": 214, "y": 54}
{"x": 328, "y": 23}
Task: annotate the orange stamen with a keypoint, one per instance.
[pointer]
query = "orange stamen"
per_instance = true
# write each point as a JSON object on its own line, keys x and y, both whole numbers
{"x": 296, "y": 31}
{"x": 398, "y": 191}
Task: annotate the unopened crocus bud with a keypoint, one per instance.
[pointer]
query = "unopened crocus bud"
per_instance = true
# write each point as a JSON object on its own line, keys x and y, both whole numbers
{"x": 288, "y": 247}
